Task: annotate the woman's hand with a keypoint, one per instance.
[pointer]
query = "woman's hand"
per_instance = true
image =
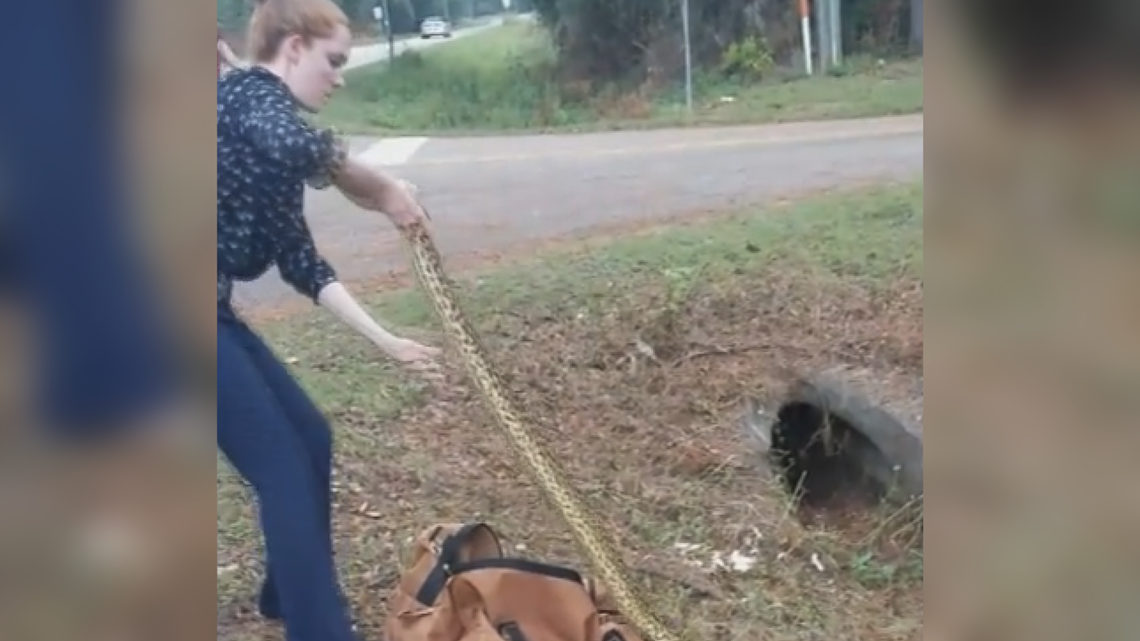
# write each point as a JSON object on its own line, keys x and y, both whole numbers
{"x": 414, "y": 356}
{"x": 375, "y": 190}
{"x": 401, "y": 206}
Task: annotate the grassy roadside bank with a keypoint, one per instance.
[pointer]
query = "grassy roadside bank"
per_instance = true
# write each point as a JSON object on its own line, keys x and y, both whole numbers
{"x": 726, "y": 308}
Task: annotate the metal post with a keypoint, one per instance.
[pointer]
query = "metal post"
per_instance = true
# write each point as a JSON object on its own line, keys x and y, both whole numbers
{"x": 823, "y": 32}
{"x": 688, "y": 56}
{"x": 391, "y": 36}
{"x": 836, "y": 37}
{"x": 805, "y": 33}
{"x": 916, "y": 26}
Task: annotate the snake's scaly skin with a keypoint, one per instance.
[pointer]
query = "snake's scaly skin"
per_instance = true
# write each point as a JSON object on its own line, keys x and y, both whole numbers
{"x": 427, "y": 265}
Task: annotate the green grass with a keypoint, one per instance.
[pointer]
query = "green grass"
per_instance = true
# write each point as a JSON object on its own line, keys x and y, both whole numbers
{"x": 500, "y": 80}
{"x": 823, "y": 281}
{"x": 872, "y": 237}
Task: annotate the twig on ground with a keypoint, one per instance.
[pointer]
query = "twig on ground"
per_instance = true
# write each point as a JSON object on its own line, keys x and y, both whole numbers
{"x": 716, "y": 350}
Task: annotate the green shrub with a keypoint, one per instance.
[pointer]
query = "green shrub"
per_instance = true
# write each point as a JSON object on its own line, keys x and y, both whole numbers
{"x": 749, "y": 59}
{"x": 474, "y": 83}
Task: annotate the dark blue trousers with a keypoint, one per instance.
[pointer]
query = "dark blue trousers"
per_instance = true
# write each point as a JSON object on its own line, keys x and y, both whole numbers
{"x": 281, "y": 444}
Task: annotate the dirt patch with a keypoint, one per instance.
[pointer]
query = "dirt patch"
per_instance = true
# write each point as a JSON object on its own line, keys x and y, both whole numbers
{"x": 640, "y": 399}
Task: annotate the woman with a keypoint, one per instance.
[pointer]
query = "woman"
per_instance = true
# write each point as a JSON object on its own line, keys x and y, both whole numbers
{"x": 268, "y": 428}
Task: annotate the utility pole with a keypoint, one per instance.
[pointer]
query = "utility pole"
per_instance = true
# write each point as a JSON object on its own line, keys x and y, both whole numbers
{"x": 836, "y": 16}
{"x": 823, "y": 27}
{"x": 916, "y": 26}
{"x": 688, "y": 56}
{"x": 391, "y": 36}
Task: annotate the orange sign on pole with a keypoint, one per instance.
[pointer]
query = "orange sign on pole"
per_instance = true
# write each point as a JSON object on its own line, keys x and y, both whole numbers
{"x": 805, "y": 29}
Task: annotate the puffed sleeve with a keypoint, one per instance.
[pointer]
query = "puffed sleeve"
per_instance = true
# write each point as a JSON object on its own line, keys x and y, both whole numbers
{"x": 271, "y": 123}
{"x": 298, "y": 261}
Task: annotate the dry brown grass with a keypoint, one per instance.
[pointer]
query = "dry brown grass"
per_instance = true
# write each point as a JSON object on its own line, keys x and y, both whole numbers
{"x": 730, "y": 310}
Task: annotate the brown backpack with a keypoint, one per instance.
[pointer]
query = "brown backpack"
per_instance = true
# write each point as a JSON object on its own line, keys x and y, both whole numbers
{"x": 461, "y": 587}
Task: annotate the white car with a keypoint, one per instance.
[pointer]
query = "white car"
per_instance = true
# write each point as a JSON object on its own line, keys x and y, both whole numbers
{"x": 435, "y": 27}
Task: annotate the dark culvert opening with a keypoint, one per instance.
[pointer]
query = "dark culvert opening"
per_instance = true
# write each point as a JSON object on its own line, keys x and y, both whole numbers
{"x": 823, "y": 461}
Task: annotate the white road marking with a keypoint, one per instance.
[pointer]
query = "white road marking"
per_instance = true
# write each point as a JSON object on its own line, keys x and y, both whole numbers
{"x": 392, "y": 152}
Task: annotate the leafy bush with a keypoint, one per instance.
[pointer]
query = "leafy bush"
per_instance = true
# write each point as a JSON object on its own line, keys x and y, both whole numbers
{"x": 749, "y": 59}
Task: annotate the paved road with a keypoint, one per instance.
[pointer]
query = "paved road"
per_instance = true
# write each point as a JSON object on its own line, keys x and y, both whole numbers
{"x": 498, "y": 195}
{"x": 370, "y": 54}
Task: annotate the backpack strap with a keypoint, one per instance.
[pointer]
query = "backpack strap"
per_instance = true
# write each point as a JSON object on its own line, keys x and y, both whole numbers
{"x": 448, "y": 557}
{"x": 431, "y": 590}
{"x": 525, "y": 566}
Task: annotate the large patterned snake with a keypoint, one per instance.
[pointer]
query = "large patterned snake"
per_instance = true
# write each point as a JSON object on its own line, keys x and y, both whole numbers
{"x": 530, "y": 453}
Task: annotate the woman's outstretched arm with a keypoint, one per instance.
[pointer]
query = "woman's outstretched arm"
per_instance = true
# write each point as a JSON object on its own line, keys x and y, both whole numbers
{"x": 302, "y": 267}
{"x": 337, "y": 299}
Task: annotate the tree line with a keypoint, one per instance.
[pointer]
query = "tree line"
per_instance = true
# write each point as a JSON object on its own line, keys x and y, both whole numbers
{"x": 635, "y": 40}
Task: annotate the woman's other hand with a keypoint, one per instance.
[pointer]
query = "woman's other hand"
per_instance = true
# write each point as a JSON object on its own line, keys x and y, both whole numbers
{"x": 419, "y": 358}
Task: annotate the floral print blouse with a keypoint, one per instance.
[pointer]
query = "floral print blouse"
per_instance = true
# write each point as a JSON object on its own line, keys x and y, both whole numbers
{"x": 267, "y": 153}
